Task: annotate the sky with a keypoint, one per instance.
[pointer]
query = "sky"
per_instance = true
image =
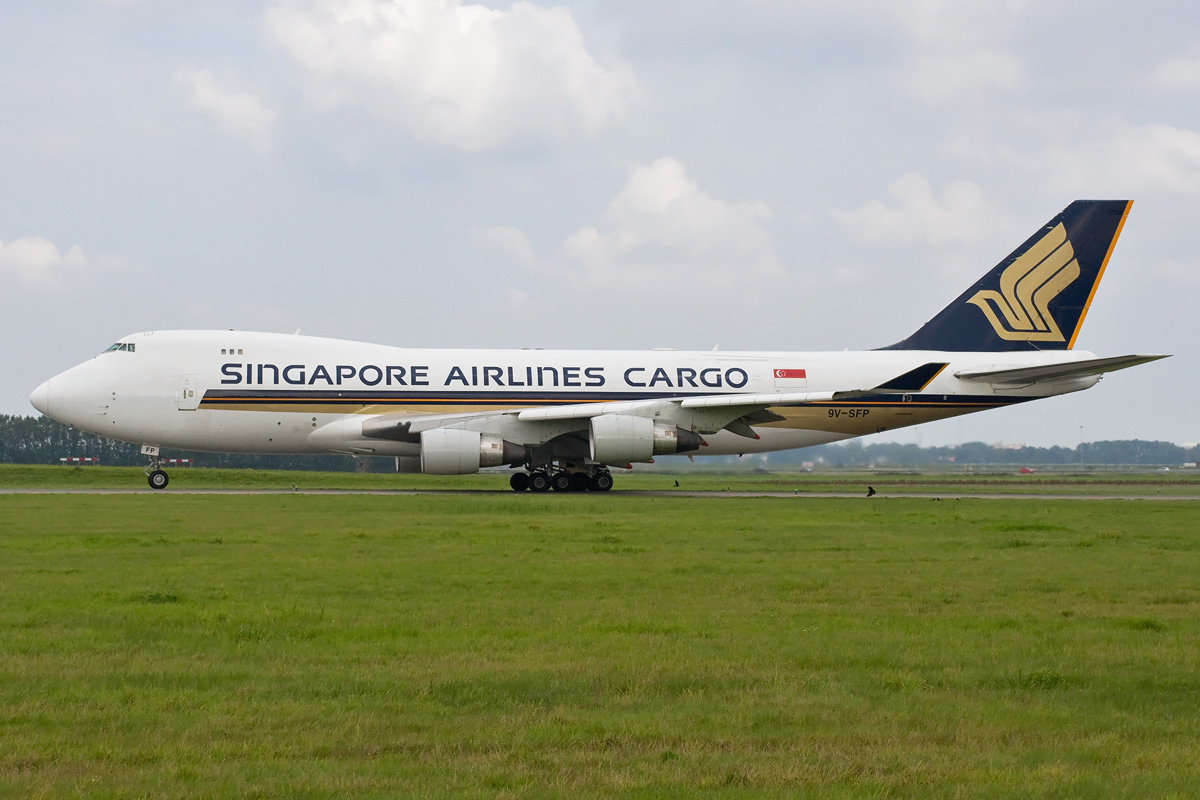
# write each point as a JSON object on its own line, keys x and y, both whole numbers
{"x": 760, "y": 175}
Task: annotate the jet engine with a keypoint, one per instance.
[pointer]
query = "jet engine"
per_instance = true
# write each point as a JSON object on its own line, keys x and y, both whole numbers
{"x": 622, "y": 439}
{"x": 452, "y": 451}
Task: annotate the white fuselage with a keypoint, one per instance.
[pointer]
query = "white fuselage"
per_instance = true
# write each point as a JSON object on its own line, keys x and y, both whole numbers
{"x": 272, "y": 393}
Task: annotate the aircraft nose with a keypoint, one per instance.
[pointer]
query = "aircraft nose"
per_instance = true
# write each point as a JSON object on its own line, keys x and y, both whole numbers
{"x": 41, "y": 398}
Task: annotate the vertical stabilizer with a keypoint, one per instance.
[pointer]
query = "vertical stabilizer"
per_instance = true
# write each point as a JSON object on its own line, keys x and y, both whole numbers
{"x": 1036, "y": 298}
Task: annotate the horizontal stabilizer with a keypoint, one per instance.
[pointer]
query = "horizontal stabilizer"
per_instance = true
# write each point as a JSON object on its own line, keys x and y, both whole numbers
{"x": 1056, "y": 372}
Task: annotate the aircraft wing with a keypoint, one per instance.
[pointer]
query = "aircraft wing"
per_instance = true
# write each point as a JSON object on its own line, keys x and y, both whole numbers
{"x": 1024, "y": 376}
{"x": 408, "y": 427}
{"x": 706, "y": 413}
{"x": 588, "y": 410}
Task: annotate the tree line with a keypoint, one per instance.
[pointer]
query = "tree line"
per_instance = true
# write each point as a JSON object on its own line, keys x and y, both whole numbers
{"x": 857, "y": 453}
{"x": 40, "y": 440}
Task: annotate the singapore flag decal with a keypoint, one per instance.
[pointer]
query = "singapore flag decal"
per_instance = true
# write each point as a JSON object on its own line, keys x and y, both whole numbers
{"x": 791, "y": 379}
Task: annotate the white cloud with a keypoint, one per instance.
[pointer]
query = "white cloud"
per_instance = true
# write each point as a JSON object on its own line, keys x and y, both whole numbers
{"x": 38, "y": 263}
{"x": 517, "y": 298}
{"x": 241, "y": 114}
{"x": 1146, "y": 158}
{"x": 1073, "y": 155}
{"x": 1180, "y": 74}
{"x": 918, "y": 216}
{"x": 945, "y": 23}
{"x": 845, "y": 273}
{"x": 662, "y": 228}
{"x": 1117, "y": 159}
{"x": 945, "y": 77}
{"x": 460, "y": 75}
{"x": 1187, "y": 274}
{"x": 953, "y": 53}
{"x": 659, "y": 230}
{"x": 509, "y": 241}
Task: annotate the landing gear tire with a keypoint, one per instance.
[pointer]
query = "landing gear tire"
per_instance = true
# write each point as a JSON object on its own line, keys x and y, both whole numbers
{"x": 519, "y": 481}
{"x": 601, "y": 482}
{"x": 580, "y": 482}
{"x": 158, "y": 479}
{"x": 561, "y": 482}
{"x": 539, "y": 482}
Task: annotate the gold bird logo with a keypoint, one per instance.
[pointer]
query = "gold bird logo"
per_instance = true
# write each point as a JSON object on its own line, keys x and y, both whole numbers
{"x": 1026, "y": 288}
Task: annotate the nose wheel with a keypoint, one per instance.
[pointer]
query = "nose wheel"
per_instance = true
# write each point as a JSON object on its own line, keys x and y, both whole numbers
{"x": 155, "y": 475}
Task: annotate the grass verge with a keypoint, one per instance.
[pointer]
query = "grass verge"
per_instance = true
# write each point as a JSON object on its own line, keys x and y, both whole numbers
{"x": 494, "y": 645}
{"x": 1184, "y": 483}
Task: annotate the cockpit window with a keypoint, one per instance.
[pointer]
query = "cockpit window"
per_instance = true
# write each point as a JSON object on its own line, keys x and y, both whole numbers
{"x": 122, "y": 346}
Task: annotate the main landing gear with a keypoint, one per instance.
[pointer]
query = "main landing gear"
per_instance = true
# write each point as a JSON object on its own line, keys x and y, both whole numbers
{"x": 591, "y": 479}
{"x": 155, "y": 475}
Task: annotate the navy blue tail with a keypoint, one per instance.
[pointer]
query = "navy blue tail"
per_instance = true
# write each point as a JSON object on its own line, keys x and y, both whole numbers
{"x": 1036, "y": 298}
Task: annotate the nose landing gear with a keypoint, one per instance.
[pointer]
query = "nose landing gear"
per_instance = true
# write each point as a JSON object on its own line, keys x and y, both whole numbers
{"x": 155, "y": 475}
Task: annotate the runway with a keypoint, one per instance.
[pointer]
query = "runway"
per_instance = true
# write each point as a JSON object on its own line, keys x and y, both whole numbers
{"x": 615, "y": 494}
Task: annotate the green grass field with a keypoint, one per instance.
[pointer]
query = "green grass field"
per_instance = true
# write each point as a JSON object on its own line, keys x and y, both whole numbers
{"x": 1179, "y": 482}
{"x": 581, "y": 645}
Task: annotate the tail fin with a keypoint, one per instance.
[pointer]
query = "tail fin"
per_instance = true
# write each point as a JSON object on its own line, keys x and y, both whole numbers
{"x": 1036, "y": 298}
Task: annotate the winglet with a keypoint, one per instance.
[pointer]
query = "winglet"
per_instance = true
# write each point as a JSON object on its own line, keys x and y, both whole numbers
{"x": 1037, "y": 297}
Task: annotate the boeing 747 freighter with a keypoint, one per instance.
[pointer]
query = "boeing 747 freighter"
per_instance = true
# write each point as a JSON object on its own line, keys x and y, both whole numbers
{"x": 561, "y": 419}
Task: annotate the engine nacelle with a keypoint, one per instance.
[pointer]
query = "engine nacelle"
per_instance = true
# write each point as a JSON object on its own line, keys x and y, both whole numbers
{"x": 622, "y": 439}
{"x": 453, "y": 451}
